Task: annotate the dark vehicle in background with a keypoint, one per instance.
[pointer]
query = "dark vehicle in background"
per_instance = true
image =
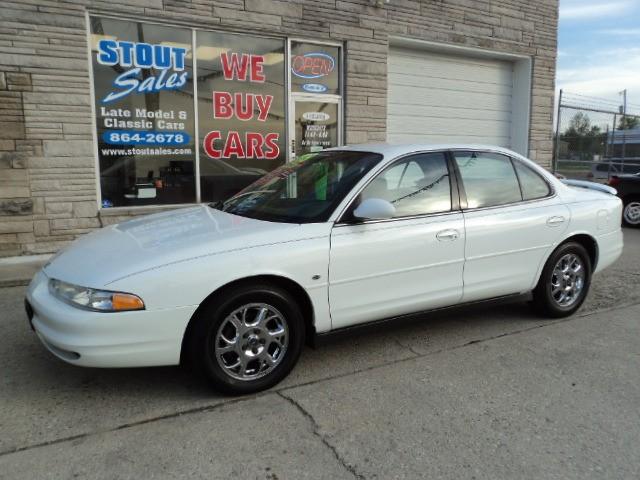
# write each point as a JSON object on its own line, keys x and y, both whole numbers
{"x": 615, "y": 166}
{"x": 628, "y": 187}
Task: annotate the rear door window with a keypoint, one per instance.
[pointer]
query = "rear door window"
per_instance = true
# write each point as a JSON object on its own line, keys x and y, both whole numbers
{"x": 489, "y": 179}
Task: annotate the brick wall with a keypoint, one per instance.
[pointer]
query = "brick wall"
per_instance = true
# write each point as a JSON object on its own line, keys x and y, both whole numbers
{"x": 47, "y": 164}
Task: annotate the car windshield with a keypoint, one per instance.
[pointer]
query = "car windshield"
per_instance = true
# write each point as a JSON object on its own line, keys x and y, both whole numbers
{"x": 304, "y": 191}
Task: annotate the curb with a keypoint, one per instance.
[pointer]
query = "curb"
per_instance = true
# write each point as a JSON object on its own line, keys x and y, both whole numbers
{"x": 18, "y": 271}
{"x": 14, "y": 283}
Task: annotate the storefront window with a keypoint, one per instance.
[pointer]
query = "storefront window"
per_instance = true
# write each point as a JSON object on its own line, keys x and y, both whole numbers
{"x": 248, "y": 123}
{"x": 241, "y": 110}
{"x": 143, "y": 86}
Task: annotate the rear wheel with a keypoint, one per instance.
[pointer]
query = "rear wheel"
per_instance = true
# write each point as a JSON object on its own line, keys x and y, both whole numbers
{"x": 564, "y": 282}
{"x": 631, "y": 212}
{"x": 247, "y": 339}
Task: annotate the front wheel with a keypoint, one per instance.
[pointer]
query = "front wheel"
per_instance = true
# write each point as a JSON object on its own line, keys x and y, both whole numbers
{"x": 564, "y": 282}
{"x": 247, "y": 339}
{"x": 631, "y": 212}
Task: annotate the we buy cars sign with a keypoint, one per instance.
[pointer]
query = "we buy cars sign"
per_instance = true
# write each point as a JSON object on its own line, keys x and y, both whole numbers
{"x": 243, "y": 106}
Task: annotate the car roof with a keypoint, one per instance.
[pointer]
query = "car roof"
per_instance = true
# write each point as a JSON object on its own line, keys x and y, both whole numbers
{"x": 393, "y": 150}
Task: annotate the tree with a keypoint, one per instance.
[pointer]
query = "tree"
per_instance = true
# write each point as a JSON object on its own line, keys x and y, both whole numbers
{"x": 583, "y": 139}
{"x": 580, "y": 124}
{"x": 629, "y": 122}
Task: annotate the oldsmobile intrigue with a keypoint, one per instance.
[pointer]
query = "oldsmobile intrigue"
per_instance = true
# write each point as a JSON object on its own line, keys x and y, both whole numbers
{"x": 338, "y": 238}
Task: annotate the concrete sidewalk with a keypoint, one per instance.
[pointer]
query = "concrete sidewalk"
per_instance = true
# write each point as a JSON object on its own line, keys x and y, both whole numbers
{"x": 18, "y": 271}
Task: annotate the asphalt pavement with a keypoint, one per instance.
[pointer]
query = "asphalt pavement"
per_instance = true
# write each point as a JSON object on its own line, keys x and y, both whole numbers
{"x": 484, "y": 392}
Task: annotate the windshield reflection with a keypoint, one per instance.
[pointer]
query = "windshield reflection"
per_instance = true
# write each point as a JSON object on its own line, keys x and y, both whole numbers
{"x": 304, "y": 191}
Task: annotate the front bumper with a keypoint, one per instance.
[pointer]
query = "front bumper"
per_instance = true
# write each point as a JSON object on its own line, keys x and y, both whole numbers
{"x": 94, "y": 339}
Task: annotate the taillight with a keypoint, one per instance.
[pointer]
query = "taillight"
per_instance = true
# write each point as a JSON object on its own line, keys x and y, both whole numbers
{"x": 613, "y": 181}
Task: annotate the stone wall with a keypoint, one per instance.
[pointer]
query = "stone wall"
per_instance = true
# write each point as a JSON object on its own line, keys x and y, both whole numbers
{"x": 47, "y": 164}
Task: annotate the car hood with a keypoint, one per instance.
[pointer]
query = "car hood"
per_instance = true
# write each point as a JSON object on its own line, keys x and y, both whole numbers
{"x": 144, "y": 243}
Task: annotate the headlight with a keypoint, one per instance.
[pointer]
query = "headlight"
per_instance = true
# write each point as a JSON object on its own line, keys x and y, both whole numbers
{"x": 91, "y": 299}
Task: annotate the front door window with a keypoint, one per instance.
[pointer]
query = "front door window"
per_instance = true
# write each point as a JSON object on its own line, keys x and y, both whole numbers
{"x": 417, "y": 185}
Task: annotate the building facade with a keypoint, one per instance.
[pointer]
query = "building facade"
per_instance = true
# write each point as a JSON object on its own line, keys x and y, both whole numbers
{"x": 110, "y": 109}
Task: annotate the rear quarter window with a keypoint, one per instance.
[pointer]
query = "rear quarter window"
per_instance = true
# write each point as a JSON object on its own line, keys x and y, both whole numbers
{"x": 532, "y": 184}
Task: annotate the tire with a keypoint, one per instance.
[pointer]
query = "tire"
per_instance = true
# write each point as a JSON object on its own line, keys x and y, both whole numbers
{"x": 560, "y": 296}
{"x": 247, "y": 339}
{"x": 631, "y": 212}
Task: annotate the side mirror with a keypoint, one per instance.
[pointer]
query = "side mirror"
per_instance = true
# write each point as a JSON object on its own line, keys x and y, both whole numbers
{"x": 374, "y": 209}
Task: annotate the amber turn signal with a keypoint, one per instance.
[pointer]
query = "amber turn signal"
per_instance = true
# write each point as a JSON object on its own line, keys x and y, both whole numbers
{"x": 126, "y": 301}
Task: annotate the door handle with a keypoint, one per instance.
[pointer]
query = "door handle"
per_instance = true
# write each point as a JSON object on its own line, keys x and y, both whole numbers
{"x": 449, "y": 234}
{"x": 555, "y": 221}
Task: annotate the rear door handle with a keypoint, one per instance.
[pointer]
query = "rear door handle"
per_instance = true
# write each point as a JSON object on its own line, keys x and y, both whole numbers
{"x": 555, "y": 221}
{"x": 449, "y": 234}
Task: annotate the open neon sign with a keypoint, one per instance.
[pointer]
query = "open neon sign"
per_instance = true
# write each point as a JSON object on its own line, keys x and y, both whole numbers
{"x": 312, "y": 65}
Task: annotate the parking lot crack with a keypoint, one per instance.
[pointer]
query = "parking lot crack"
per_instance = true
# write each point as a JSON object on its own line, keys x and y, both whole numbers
{"x": 316, "y": 431}
{"x": 407, "y": 347}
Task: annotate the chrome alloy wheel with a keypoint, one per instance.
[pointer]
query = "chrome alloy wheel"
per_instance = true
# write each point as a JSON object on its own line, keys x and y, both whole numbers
{"x": 632, "y": 213}
{"x": 251, "y": 341}
{"x": 567, "y": 280}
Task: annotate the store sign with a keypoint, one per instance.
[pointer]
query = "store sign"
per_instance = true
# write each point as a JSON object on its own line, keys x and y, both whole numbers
{"x": 316, "y": 126}
{"x": 316, "y": 137}
{"x": 167, "y": 60}
{"x": 316, "y": 116}
{"x": 314, "y": 88}
{"x": 243, "y": 106}
{"x": 312, "y": 65}
{"x": 164, "y": 70}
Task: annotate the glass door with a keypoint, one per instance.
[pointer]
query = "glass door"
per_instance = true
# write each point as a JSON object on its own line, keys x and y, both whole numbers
{"x": 315, "y": 97}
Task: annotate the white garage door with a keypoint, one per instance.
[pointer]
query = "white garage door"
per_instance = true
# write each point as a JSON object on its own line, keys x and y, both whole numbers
{"x": 438, "y": 98}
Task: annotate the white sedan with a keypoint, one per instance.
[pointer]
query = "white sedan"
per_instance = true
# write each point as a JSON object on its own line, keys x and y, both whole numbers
{"x": 336, "y": 239}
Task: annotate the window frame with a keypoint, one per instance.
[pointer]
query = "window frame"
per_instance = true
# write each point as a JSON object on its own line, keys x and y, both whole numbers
{"x": 463, "y": 194}
{"x": 345, "y": 217}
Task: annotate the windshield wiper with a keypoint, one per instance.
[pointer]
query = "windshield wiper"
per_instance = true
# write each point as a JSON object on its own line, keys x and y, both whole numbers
{"x": 217, "y": 205}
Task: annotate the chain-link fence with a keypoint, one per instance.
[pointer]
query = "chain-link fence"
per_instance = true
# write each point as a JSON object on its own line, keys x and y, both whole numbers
{"x": 596, "y": 138}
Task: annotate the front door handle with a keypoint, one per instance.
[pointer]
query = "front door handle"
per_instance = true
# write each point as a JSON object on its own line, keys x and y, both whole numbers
{"x": 555, "y": 221}
{"x": 449, "y": 234}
